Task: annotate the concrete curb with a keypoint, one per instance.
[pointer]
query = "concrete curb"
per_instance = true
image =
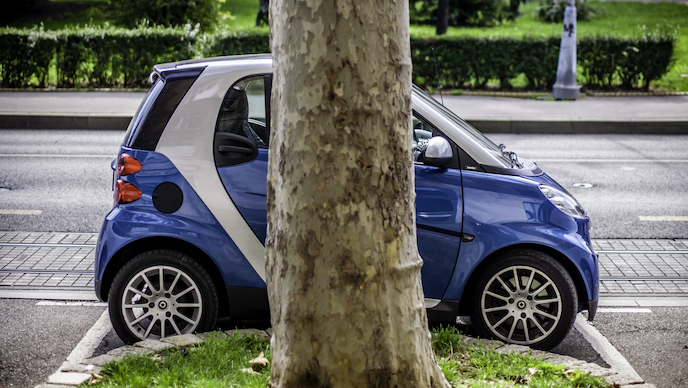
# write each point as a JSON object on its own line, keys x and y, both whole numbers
{"x": 88, "y": 370}
{"x": 96, "y": 122}
{"x": 64, "y": 122}
{"x": 581, "y": 127}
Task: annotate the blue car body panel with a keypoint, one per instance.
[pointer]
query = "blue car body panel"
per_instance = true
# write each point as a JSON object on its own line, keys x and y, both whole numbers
{"x": 192, "y": 223}
{"x": 504, "y": 211}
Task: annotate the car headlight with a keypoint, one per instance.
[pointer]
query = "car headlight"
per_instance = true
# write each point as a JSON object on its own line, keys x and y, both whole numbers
{"x": 563, "y": 201}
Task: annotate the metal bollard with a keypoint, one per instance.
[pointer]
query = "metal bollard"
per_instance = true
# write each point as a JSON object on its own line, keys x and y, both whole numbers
{"x": 565, "y": 88}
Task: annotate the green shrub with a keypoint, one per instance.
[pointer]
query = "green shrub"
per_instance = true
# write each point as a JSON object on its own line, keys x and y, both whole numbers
{"x": 90, "y": 56}
{"x": 111, "y": 56}
{"x": 635, "y": 60}
{"x": 251, "y": 41}
{"x": 24, "y": 53}
{"x": 553, "y": 10}
{"x": 461, "y": 12}
{"x": 476, "y": 60}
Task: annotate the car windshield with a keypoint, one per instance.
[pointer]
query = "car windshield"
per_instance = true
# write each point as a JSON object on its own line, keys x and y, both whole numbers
{"x": 468, "y": 129}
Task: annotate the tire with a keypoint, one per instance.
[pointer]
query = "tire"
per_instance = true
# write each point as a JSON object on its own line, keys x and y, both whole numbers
{"x": 141, "y": 309}
{"x": 538, "y": 313}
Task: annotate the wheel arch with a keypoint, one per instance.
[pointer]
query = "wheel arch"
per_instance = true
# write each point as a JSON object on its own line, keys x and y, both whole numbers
{"x": 137, "y": 247}
{"x": 562, "y": 259}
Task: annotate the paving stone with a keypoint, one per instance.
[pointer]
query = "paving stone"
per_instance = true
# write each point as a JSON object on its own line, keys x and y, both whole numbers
{"x": 153, "y": 345}
{"x": 566, "y": 361}
{"x": 623, "y": 379}
{"x": 536, "y": 353}
{"x": 260, "y": 333}
{"x": 47, "y": 385}
{"x": 128, "y": 351}
{"x": 639, "y": 386}
{"x": 102, "y": 359}
{"x": 182, "y": 340}
{"x": 67, "y": 378}
{"x": 83, "y": 368}
{"x": 509, "y": 349}
{"x": 596, "y": 370}
{"x": 208, "y": 334}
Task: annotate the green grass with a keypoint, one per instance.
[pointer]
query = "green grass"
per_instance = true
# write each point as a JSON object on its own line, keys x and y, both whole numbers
{"x": 244, "y": 12}
{"x": 218, "y": 362}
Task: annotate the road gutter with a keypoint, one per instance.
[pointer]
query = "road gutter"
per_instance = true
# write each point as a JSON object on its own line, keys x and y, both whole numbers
{"x": 626, "y": 375}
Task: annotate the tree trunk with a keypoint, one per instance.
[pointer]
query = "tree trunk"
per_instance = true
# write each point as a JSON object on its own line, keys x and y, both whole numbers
{"x": 442, "y": 17}
{"x": 343, "y": 266}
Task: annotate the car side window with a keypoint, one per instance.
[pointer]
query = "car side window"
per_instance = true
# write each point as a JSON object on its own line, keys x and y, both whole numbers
{"x": 243, "y": 111}
{"x": 422, "y": 133}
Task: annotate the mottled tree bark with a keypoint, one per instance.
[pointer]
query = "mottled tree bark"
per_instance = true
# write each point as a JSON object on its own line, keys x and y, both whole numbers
{"x": 343, "y": 266}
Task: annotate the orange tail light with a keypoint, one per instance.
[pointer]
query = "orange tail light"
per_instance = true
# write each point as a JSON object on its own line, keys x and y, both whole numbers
{"x": 127, "y": 164}
{"x": 125, "y": 192}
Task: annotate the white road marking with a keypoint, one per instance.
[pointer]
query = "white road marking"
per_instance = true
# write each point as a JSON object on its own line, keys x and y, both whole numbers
{"x": 605, "y": 349}
{"x": 57, "y": 156}
{"x": 622, "y": 310}
{"x": 47, "y": 293}
{"x": 664, "y": 218}
{"x": 611, "y": 160}
{"x": 63, "y": 303}
{"x": 21, "y": 212}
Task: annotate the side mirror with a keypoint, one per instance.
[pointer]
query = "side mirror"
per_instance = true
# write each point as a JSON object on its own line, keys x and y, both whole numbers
{"x": 438, "y": 152}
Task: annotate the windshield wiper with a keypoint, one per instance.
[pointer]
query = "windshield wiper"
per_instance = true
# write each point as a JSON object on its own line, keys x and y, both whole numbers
{"x": 511, "y": 155}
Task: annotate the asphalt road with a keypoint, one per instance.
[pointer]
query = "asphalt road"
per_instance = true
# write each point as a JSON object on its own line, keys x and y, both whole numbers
{"x": 36, "y": 339}
{"x": 61, "y": 180}
{"x": 655, "y": 342}
{"x": 58, "y": 181}
{"x": 632, "y": 176}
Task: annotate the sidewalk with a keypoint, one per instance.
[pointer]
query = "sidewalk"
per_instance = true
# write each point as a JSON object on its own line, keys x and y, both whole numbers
{"x": 636, "y": 115}
{"x": 64, "y": 261}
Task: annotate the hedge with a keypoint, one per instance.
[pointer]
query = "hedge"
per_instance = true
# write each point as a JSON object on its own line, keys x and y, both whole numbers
{"x": 90, "y": 56}
{"x": 108, "y": 56}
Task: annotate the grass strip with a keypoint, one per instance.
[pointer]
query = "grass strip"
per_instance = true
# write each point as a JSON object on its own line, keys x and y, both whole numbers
{"x": 223, "y": 361}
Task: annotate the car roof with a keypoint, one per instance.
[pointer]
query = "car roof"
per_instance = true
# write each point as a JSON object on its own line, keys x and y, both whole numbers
{"x": 262, "y": 60}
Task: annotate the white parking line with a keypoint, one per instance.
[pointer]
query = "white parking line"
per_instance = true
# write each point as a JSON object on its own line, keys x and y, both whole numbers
{"x": 663, "y": 218}
{"x": 623, "y": 310}
{"x": 21, "y": 212}
{"x": 56, "y": 156}
{"x": 611, "y": 160}
{"x": 77, "y": 304}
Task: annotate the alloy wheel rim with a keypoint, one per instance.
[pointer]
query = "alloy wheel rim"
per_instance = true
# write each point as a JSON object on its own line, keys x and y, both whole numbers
{"x": 521, "y": 305}
{"x": 161, "y": 301}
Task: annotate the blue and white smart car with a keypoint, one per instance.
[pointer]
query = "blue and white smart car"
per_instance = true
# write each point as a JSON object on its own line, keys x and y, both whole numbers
{"x": 184, "y": 243}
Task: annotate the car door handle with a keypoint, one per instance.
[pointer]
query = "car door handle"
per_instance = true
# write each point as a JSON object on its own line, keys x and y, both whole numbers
{"x": 231, "y": 149}
{"x": 238, "y": 149}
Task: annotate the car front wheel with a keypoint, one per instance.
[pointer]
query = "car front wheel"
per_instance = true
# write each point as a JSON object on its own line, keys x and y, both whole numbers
{"x": 525, "y": 297}
{"x": 161, "y": 294}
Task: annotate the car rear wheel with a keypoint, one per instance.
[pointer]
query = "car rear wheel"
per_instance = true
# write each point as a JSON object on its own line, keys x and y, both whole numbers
{"x": 527, "y": 298}
{"x": 161, "y": 294}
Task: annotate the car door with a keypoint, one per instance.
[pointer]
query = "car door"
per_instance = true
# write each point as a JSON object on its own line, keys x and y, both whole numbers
{"x": 241, "y": 148}
{"x": 241, "y": 156}
{"x": 439, "y": 212}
